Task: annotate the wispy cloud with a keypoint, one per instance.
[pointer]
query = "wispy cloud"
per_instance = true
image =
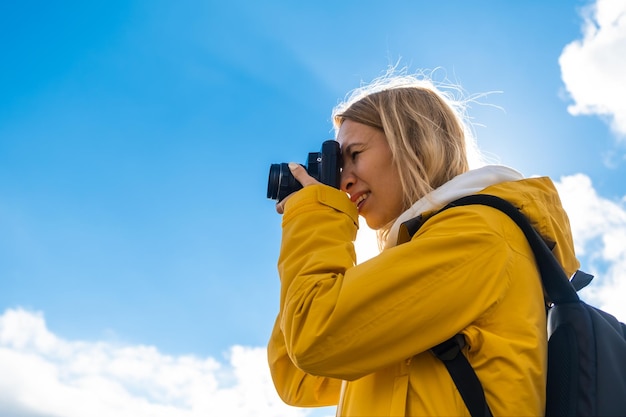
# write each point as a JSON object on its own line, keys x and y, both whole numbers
{"x": 45, "y": 376}
{"x": 594, "y": 68}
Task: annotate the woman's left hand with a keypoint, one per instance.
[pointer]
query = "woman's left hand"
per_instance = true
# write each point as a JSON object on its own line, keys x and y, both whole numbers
{"x": 303, "y": 177}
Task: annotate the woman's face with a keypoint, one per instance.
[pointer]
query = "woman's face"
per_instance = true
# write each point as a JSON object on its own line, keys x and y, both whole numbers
{"x": 369, "y": 175}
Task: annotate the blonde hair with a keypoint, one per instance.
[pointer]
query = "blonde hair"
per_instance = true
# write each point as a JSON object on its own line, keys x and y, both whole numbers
{"x": 424, "y": 126}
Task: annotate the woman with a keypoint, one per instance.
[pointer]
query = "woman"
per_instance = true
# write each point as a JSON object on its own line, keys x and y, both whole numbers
{"x": 359, "y": 335}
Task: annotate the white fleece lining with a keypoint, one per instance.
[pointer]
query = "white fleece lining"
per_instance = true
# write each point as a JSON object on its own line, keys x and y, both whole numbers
{"x": 467, "y": 183}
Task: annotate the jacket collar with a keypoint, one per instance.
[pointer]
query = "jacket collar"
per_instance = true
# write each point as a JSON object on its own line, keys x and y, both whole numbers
{"x": 467, "y": 183}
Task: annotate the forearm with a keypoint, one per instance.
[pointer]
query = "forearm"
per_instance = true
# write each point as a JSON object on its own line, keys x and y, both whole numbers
{"x": 294, "y": 386}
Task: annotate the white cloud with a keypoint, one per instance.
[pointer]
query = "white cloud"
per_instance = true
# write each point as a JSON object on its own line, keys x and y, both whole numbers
{"x": 594, "y": 67}
{"x": 46, "y": 376}
{"x": 599, "y": 230}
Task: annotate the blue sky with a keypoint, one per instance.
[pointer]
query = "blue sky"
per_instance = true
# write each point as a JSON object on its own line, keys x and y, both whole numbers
{"x": 135, "y": 142}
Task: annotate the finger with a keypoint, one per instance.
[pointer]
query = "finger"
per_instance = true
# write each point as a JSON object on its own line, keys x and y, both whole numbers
{"x": 280, "y": 206}
{"x": 301, "y": 175}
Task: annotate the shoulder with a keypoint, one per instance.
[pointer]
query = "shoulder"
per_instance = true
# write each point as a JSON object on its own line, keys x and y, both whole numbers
{"x": 469, "y": 229}
{"x": 461, "y": 220}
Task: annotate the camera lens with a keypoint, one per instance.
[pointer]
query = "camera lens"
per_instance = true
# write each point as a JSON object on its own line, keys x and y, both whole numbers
{"x": 273, "y": 181}
{"x": 281, "y": 182}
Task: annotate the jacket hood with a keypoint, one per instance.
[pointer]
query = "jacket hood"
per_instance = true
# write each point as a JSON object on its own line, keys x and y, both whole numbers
{"x": 537, "y": 198}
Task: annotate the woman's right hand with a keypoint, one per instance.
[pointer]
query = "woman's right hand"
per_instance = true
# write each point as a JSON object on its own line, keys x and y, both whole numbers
{"x": 303, "y": 177}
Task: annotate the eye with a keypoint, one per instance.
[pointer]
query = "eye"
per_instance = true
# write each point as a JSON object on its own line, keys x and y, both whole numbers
{"x": 354, "y": 154}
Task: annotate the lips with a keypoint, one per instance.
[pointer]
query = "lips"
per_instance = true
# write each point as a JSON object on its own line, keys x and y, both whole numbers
{"x": 359, "y": 199}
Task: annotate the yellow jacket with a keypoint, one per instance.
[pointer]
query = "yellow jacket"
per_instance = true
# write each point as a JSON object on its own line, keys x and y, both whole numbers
{"x": 468, "y": 269}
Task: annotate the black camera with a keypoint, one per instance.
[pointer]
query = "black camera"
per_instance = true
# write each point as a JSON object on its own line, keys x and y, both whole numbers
{"x": 324, "y": 166}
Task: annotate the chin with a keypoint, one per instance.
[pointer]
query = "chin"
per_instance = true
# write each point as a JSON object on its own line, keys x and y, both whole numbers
{"x": 373, "y": 224}
{"x": 376, "y": 223}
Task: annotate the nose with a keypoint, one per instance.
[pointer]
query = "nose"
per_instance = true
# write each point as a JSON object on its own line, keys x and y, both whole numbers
{"x": 347, "y": 180}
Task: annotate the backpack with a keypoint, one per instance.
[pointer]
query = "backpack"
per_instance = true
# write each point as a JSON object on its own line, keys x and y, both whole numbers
{"x": 586, "y": 346}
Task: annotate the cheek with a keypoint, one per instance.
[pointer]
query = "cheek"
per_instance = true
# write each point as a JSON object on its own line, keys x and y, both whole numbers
{"x": 395, "y": 194}
{"x": 400, "y": 201}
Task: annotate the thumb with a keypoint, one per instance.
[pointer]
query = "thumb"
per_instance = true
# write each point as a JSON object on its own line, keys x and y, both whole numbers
{"x": 294, "y": 168}
{"x": 300, "y": 174}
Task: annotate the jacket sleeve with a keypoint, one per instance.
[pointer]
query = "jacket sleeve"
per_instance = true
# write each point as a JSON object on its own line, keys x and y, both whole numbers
{"x": 344, "y": 321}
{"x": 295, "y": 386}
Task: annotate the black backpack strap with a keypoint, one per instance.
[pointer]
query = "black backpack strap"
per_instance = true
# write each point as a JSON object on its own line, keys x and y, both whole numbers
{"x": 555, "y": 282}
{"x": 580, "y": 280}
{"x": 463, "y": 375}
